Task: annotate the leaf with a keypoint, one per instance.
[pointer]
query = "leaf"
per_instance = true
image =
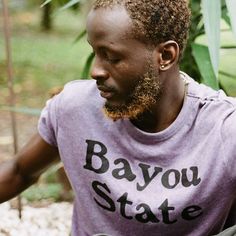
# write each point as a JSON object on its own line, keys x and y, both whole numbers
{"x": 225, "y": 15}
{"x": 228, "y": 47}
{"x": 211, "y": 10}
{"x": 195, "y": 6}
{"x": 45, "y": 3}
{"x": 202, "y": 58}
{"x": 80, "y": 36}
{"x": 69, "y": 4}
{"x": 86, "y": 70}
{"x": 231, "y": 6}
{"x": 228, "y": 83}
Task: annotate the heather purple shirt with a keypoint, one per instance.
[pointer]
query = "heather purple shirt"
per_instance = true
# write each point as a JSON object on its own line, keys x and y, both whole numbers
{"x": 180, "y": 181}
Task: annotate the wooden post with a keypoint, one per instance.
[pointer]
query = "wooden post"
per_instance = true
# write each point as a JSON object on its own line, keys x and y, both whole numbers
{"x": 10, "y": 80}
{"x": 46, "y": 22}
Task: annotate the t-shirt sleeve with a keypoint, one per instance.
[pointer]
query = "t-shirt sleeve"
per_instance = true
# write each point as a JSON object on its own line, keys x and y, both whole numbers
{"x": 48, "y": 121}
{"x": 229, "y": 143}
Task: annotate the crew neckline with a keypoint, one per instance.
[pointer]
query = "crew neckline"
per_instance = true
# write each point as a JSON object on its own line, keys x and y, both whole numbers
{"x": 176, "y": 125}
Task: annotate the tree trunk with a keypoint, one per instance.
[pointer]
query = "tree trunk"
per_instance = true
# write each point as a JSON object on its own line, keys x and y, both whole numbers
{"x": 46, "y": 22}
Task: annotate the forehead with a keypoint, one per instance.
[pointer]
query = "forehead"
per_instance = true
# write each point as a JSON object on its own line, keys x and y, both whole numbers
{"x": 108, "y": 23}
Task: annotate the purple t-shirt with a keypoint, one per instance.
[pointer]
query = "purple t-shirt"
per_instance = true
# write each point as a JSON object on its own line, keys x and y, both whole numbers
{"x": 180, "y": 181}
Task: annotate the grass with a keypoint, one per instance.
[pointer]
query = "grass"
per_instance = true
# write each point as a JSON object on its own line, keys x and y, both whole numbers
{"x": 43, "y": 60}
{"x": 43, "y": 191}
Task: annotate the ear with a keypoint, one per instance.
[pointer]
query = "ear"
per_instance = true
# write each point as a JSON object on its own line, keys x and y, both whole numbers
{"x": 168, "y": 55}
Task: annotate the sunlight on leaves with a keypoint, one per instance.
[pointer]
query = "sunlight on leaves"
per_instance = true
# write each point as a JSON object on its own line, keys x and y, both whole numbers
{"x": 212, "y": 15}
{"x": 231, "y": 5}
{"x": 202, "y": 58}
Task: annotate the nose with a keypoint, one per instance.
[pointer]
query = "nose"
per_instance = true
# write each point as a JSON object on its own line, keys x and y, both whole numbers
{"x": 98, "y": 72}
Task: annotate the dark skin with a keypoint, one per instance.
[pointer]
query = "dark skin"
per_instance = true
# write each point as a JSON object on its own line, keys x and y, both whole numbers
{"x": 119, "y": 61}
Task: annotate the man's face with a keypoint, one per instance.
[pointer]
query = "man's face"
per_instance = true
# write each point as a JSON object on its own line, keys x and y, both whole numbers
{"x": 124, "y": 67}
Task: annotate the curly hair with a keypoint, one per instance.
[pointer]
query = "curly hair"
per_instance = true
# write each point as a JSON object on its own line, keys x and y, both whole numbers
{"x": 156, "y": 21}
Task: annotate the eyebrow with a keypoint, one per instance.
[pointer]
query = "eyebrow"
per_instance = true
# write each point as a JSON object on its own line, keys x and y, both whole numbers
{"x": 106, "y": 47}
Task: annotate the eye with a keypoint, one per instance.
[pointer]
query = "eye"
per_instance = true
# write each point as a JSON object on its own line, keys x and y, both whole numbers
{"x": 110, "y": 56}
{"x": 113, "y": 60}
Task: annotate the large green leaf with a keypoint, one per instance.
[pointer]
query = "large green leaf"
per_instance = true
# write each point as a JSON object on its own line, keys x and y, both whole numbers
{"x": 86, "y": 70}
{"x": 211, "y": 10}
{"x": 202, "y": 58}
{"x": 80, "y": 36}
{"x": 225, "y": 14}
{"x": 228, "y": 83}
{"x": 231, "y": 5}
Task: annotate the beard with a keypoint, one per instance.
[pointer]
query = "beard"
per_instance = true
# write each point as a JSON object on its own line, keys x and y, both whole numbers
{"x": 145, "y": 94}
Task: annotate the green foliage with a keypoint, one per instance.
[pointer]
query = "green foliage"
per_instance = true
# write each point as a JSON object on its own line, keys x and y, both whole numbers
{"x": 63, "y": 4}
{"x": 50, "y": 186}
{"x": 231, "y": 6}
{"x": 45, "y": 191}
{"x": 188, "y": 63}
{"x": 201, "y": 61}
{"x": 42, "y": 60}
{"x": 80, "y": 36}
{"x": 69, "y": 4}
{"x": 87, "y": 66}
{"x": 202, "y": 57}
{"x": 211, "y": 17}
{"x": 45, "y": 3}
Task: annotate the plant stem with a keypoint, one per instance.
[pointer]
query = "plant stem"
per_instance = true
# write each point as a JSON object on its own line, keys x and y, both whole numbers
{"x": 7, "y": 36}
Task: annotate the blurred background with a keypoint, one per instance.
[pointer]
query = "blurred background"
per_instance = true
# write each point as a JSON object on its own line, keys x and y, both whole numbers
{"x": 48, "y": 48}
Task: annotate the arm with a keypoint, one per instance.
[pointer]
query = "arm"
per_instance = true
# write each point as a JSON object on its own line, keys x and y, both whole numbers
{"x": 24, "y": 170}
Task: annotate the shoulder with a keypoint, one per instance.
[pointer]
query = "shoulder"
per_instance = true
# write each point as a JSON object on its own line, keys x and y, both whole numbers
{"x": 76, "y": 96}
{"x": 79, "y": 88}
{"x": 214, "y": 104}
{"x": 78, "y": 93}
{"x": 216, "y": 115}
{"x": 228, "y": 141}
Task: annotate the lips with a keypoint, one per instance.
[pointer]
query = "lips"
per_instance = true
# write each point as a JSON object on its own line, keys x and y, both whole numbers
{"x": 105, "y": 92}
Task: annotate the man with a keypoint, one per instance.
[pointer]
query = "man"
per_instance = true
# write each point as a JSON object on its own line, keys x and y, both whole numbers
{"x": 148, "y": 151}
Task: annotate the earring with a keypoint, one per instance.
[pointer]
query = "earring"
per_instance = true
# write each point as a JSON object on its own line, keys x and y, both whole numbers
{"x": 162, "y": 66}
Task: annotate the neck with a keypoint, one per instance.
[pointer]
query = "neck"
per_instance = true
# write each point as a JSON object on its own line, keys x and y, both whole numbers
{"x": 165, "y": 111}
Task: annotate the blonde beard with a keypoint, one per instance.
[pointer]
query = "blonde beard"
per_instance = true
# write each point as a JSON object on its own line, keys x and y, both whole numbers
{"x": 146, "y": 94}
